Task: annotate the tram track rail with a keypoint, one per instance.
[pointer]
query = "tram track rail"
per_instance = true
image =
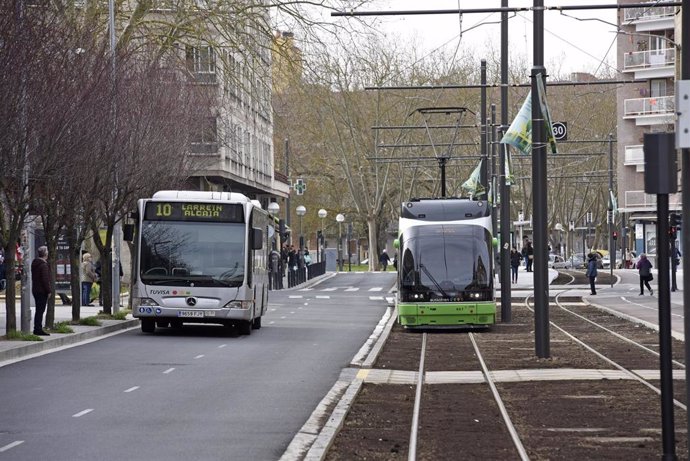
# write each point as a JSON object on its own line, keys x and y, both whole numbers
{"x": 503, "y": 403}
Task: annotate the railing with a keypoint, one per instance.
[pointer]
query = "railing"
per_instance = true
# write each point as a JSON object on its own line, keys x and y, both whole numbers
{"x": 649, "y": 13}
{"x": 649, "y": 106}
{"x": 652, "y": 58}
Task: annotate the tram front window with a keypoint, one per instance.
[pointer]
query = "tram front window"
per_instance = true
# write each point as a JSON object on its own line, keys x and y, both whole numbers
{"x": 447, "y": 263}
{"x": 199, "y": 253}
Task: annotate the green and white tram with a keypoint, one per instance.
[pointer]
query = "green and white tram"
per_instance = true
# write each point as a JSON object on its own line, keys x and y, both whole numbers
{"x": 201, "y": 257}
{"x": 445, "y": 264}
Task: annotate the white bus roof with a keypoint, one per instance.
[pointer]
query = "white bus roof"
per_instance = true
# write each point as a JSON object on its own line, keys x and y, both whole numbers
{"x": 200, "y": 195}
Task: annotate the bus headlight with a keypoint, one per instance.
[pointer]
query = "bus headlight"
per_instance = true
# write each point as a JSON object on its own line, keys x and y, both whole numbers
{"x": 136, "y": 302}
{"x": 239, "y": 305}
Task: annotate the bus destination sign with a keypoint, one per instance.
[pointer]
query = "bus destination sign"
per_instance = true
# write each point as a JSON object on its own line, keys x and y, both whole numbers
{"x": 185, "y": 211}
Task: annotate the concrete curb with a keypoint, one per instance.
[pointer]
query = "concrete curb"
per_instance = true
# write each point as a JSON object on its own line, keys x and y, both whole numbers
{"x": 68, "y": 339}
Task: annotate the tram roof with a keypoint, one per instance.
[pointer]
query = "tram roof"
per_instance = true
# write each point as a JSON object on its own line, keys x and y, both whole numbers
{"x": 445, "y": 209}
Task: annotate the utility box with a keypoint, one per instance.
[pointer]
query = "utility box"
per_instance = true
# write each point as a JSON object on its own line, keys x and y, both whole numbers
{"x": 660, "y": 163}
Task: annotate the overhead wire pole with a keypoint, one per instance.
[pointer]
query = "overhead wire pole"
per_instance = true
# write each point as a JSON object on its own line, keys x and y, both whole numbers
{"x": 539, "y": 192}
{"x": 484, "y": 171}
{"x": 685, "y": 196}
{"x": 115, "y": 258}
{"x": 506, "y": 308}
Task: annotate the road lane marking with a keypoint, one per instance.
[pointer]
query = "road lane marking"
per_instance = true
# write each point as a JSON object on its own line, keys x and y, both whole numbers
{"x": 376, "y": 289}
{"x": 323, "y": 297}
{"x": 82, "y": 413}
{"x": 168, "y": 371}
{"x": 199, "y": 356}
{"x": 271, "y": 322}
{"x": 222, "y": 346}
{"x": 330, "y": 289}
{"x": 296, "y": 296}
{"x": 132, "y": 389}
{"x": 352, "y": 289}
{"x": 11, "y": 445}
{"x": 306, "y": 289}
{"x": 292, "y": 312}
{"x": 376, "y": 298}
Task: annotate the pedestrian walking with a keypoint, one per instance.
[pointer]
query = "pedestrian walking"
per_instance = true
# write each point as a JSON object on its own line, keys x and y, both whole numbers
{"x": 384, "y": 260}
{"x": 88, "y": 276}
{"x": 40, "y": 287}
{"x": 592, "y": 272}
{"x": 515, "y": 259}
{"x": 530, "y": 256}
{"x": 644, "y": 268}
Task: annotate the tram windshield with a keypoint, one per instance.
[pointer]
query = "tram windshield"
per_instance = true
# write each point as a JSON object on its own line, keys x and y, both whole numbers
{"x": 446, "y": 262}
{"x": 178, "y": 253}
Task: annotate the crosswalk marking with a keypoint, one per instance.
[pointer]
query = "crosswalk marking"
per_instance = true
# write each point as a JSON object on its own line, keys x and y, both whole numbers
{"x": 375, "y": 289}
{"x": 296, "y": 296}
{"x": 323, "y": 297}
{"x": 352, "y": 289}
{"x": 330, "y": 289}
{"x": 376, "y": 298}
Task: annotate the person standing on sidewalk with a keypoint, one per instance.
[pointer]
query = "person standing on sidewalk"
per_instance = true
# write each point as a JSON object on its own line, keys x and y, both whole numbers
{"x": 644, "y": 268}
{"x": 88, "y": 277}
{"x": 530, "y": 255}
{"x": 40, "y": 287}
{"x": 515, "y": 258}
{"x": 592, "y": 272}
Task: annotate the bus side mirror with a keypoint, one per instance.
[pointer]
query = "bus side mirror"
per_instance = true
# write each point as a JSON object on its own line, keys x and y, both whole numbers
{"x": 128, "y": 232}
{"x": 257, "y": 239}
{"x": 396, "y": 244}
{"x": 495, "y": 242}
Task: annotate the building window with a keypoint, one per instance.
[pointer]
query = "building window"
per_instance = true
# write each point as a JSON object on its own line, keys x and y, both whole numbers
{"x": 205, "y": 141}
{"x": 201, "y": 62}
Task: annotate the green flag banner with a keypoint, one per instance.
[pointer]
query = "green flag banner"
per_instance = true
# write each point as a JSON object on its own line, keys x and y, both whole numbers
{"x": 473, "y": 185}
{"x": 541, "y": 92}
{"x": 519, "y": 134}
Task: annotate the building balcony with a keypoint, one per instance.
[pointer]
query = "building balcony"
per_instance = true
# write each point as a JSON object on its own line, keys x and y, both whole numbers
{"x": 634, "y": 156}
{"x": 648, "y": 18}
{"x": 650, "y": 111}
{"x": 638, "y": 200}
{"x": 651, "y": 64}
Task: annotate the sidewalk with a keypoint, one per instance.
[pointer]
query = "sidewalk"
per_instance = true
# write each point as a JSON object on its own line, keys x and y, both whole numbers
{"x": 13, "y": 350}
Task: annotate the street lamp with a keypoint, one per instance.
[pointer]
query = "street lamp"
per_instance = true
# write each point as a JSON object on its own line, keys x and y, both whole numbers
{"x": 340, "y": 218}
{"x": 273, "y": 210}
{"x": 301, "y": 211}
{"x": 559, "y": 228}
{"x": 322, "y": 214}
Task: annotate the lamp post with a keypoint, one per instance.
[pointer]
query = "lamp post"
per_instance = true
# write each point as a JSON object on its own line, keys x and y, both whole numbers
{"x": 340, "y": 218}
{"x": 322, "y": 214}
{"x": 559, "y": 228}
{"x": 273, "y": 210}
{"x": 301, "y": 211}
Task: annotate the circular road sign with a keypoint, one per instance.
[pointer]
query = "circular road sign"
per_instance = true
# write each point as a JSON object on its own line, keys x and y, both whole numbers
{"x": 560, "y": 130}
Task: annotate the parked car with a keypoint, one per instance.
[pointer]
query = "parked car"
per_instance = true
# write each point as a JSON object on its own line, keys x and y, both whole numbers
{"x": 557, "y": 262}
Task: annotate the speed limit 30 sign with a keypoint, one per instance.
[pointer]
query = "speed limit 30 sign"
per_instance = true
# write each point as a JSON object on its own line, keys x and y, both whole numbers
{"x": 560, "y": 130}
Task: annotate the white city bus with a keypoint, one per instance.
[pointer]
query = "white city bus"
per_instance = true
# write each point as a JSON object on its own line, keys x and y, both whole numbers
{"x": 201, "y": 257}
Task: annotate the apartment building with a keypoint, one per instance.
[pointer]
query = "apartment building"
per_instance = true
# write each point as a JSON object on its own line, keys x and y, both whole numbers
{"x": 234, "y": 150}
{"x": 647, "y": 52}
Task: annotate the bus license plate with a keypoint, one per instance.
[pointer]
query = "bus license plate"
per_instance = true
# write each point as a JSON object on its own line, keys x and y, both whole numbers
{"x": 190, "y": 313}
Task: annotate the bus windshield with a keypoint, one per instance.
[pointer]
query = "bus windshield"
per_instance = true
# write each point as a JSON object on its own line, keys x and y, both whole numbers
{"x": 178, "y": 253}
{"x": 447, "y": 261}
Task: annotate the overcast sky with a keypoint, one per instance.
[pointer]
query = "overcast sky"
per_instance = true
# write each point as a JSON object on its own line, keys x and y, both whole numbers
{"x": 578, "y": 45}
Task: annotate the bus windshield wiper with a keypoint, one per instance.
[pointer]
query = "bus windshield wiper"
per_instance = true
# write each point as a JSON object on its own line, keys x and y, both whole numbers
{"x": 431, "y": 277}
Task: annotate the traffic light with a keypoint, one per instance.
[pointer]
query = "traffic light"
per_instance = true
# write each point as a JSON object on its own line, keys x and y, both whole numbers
{"x": 676, "y": 220}
{"x": 615, "y": 235}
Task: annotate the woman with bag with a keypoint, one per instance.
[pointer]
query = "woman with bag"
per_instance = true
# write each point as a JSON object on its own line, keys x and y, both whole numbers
{"x": 644, "y": 266}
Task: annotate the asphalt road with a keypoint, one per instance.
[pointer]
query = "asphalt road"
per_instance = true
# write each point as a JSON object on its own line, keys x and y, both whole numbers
{"x": 198, "y": 393}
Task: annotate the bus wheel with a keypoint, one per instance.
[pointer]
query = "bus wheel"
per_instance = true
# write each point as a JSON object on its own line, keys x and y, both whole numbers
{"x": 148, "y": 325}
{"x": 246, "y": 327}
{"x": 256, "y": 324}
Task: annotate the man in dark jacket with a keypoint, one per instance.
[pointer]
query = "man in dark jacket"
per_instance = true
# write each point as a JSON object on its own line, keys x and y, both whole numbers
{"x": 40, "y": 287}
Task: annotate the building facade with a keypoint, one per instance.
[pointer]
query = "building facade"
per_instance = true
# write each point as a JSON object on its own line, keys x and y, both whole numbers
{"x": 649, "y": 54}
